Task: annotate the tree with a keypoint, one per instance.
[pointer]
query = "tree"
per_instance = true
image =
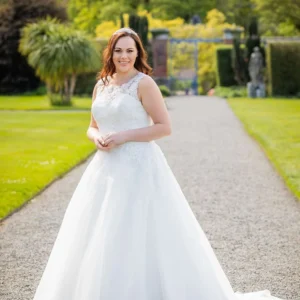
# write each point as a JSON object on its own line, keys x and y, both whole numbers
{"x": 169, "y": 9}
{"x": 58, "y": 54}
{"x": 87, "y": 14}
{"x": 16, "y": 75}
{"x": 276, "y": 15}
{"x": 238, "y": 12}
{"x": 140, "y": 25}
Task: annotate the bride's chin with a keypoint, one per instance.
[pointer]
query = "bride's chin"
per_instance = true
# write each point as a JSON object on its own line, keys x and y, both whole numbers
{"x": 124, "y": 69}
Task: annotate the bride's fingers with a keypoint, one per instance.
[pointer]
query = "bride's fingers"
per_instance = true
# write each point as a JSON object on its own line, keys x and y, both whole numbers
{"x": 100, "y": 146}
{"x": 110, "y": 146}
{"x": 108, "y": 135}
{"x": 109, "y": 140}
{"x": 105, "y": 139}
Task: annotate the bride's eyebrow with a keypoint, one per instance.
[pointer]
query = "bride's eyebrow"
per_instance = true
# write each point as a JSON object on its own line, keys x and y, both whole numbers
{"x": 124, "y": 48}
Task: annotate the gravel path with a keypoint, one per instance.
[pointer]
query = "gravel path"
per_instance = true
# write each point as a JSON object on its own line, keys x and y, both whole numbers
{"x": 249, "y": 216}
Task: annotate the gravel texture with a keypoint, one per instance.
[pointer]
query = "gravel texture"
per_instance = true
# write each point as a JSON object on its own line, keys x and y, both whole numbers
{"x": 250, "y": 217}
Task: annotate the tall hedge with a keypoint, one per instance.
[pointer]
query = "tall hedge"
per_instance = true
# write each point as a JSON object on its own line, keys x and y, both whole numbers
{"x": 283, "y": 68}
{"x": 224, "y": 70}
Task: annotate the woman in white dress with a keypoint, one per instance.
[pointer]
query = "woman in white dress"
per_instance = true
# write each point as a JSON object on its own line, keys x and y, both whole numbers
{"x": 128, "y": 232}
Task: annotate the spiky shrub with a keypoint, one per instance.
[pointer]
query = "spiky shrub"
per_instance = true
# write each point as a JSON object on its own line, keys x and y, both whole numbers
{"x": 58, "y": 54}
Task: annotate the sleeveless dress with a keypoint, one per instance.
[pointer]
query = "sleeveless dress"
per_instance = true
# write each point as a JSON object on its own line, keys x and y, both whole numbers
{"x": 128, "y": 232}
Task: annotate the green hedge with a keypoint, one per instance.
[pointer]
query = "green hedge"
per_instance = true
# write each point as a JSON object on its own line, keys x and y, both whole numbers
{"x": 283, "y": 68}
{"x": 225, "y": 74}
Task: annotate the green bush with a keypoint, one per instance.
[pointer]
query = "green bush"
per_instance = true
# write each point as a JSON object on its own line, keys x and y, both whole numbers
{"x": 231, "y": 92}
{"x": 225, "y": 74}
{"x": 164, "y": 90}
{"x": 283, "y": 68}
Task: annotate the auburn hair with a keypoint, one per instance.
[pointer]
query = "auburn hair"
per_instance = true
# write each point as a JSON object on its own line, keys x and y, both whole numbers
{"x": 109, "y": 68}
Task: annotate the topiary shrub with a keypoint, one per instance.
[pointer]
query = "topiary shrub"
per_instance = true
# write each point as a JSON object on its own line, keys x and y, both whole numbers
{"x": 239, "y": 64}
{"x": 224, "y": 71}
{"x": 283, "y": 68}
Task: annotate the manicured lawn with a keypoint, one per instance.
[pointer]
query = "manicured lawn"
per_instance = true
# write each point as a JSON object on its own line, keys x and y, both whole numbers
{"x": 40, "y": 103}
{"x": 275, "y": 124}
{"x": 37, "y": 147}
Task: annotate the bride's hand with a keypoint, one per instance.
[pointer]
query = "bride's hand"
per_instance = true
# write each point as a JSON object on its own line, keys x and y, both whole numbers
{"x": 99, "y": 142}
{"x": 114, "y": 139}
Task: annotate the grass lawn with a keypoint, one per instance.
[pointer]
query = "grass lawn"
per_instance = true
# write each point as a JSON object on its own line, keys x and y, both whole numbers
{"x": 275, "y": 124}
{"x": 37, "y": 147}
{"x": 40, "y": 103}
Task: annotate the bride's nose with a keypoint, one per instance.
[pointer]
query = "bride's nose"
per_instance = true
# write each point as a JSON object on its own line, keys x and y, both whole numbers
{"x": 123, "y": 54}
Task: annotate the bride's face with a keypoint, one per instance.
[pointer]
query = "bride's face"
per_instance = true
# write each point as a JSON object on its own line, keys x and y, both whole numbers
{"x": 124, "y": 55}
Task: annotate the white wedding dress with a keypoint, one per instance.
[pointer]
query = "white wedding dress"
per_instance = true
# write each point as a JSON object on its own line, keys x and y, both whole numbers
{"x": 129, "y": 232}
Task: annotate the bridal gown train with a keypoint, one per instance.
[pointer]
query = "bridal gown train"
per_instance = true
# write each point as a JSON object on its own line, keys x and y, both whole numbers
{"x": 128, "y": 232}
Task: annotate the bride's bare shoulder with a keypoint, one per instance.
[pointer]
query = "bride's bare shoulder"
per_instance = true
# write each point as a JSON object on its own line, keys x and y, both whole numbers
{"x": 147, "y": 82}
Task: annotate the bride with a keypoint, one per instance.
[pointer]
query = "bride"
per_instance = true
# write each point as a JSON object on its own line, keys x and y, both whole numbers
{"x": 128, "y": 232}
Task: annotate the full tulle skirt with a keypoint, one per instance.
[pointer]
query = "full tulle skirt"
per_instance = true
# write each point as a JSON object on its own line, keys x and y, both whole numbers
{"x": 129, "y": 234}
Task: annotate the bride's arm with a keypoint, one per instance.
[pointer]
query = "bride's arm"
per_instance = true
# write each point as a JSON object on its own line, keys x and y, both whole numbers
{"x": 154, "y": 104}
{"x": 93, "y": 130}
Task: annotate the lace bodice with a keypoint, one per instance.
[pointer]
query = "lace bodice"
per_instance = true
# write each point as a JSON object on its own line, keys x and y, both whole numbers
{"x": 118, "y": 108}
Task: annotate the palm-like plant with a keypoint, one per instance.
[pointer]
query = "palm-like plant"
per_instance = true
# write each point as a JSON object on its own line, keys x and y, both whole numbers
{"x": 58, "y": 54}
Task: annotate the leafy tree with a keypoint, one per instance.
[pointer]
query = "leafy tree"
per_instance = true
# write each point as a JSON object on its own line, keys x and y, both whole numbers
{"x": 58, "y": 54}
{"x": 238, "y": 12}
{"x": 87, "y": 14}
{"x": 16, "y": 75}
{"x": 169, "y": 9}
{"x": 279, "y": 17}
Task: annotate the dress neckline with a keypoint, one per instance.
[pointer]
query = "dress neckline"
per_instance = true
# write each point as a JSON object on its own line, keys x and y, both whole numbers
{"x": 125, "y": 83}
